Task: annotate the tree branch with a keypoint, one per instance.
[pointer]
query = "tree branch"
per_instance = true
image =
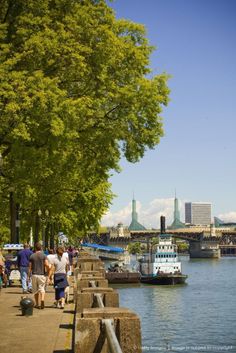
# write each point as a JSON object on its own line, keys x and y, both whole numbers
{"x": 111, "y": 111}
{"x": 8, "y": 11}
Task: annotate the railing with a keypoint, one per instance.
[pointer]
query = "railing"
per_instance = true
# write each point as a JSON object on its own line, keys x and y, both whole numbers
{"x": 111, "y": 336}
{"x": 113, "y": 342}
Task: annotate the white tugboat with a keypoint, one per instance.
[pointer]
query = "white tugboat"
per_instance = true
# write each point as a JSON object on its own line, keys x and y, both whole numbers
{"x": 164, "y": 266}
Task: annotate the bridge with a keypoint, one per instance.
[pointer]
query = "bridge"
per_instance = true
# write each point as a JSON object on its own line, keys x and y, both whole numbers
{"x": 228, "y": 243}
{"x": 202, "y": 244}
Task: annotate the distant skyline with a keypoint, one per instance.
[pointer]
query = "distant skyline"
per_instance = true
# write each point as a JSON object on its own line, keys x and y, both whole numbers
{"x": 195, "y": 42}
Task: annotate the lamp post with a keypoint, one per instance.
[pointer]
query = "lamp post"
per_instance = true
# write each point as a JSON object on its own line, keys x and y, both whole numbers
{"x": 46, "y": 229}
{"x": 17, "y": 221}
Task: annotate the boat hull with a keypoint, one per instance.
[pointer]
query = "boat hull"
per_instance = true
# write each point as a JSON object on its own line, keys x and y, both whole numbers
{"x": 123, "y": 277}
{"x": 163, "y": 279}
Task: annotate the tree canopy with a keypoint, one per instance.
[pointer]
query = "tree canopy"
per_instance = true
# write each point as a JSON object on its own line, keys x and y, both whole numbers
{"x": 76, "y": 94}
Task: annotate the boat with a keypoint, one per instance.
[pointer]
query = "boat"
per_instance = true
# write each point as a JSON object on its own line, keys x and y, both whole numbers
{"x": 121, "y": 274}
{"x": 162, "y": 267}
{"x": 122, "y": 277}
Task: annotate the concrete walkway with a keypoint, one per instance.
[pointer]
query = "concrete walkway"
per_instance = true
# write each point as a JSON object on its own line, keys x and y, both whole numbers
{"x": 47, "y": 331}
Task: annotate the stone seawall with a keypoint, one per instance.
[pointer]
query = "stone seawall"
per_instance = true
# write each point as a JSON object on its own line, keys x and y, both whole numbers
{"x": 100, "y": 324}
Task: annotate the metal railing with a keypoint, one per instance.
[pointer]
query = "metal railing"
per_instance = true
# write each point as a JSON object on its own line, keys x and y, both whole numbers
{"x": 113, "y": 343}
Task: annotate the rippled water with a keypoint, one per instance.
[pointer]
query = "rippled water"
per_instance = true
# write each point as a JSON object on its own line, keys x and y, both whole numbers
{"x": 197, "y": 317}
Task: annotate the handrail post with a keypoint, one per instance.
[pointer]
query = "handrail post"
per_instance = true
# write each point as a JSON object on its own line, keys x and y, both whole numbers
{"x": 113, "y": 342}
{"x": 93, "y": 284}
{"x": 99, "y": 300}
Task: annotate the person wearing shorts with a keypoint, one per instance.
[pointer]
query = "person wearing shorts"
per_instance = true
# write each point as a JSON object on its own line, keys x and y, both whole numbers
{"x": 38, "y": 264}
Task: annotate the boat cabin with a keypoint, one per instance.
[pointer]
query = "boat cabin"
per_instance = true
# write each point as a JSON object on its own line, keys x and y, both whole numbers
{"x": 164, "y": 260}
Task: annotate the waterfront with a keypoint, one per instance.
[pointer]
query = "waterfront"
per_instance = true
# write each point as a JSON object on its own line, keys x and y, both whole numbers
{"x": 197, "y": 317}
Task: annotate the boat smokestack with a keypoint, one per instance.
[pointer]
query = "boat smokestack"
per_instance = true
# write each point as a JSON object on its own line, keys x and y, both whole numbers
{"x": 163, "y": 224}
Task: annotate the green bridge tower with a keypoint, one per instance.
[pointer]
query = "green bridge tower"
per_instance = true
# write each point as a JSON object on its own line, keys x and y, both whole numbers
{"x": 135, "y": 225}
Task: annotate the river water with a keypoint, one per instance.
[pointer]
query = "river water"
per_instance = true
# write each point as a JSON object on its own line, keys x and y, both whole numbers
{"x": 197, "y": 317}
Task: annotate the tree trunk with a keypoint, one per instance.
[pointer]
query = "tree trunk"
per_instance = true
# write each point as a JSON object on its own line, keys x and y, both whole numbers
{"x": 52, "y": 236}
{"x": 12, "y": 218}
{"x": 36, "y": 229}
{"x": 47, "y": 229}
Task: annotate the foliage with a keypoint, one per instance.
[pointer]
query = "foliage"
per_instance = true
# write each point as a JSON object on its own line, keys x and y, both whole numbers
{"x": 183, "y": 246}
{"x": 134, "y": 248}
{"x": 74, "y": 96}
{"x": 155, "y": 241}
{"x": 4, "y": 235}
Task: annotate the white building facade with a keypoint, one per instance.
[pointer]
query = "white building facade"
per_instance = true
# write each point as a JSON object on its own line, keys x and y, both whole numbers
{"x": 198, "y": 213}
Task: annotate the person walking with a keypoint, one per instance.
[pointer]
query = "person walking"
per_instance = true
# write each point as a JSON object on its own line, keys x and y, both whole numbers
{"x": 38, "y": 266}
{"x": 70, "y": 252}
{"x": 61, "y": 266}
{"x": 23, "y": 259}
{"x": 2, "y": 265}
{"x": 51, "y": 255}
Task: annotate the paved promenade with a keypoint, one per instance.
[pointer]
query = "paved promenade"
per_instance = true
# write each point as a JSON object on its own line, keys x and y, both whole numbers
{"x": 47, "y": 331}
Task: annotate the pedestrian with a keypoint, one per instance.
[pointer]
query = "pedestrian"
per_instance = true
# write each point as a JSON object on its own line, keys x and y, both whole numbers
{"x": 2, "y": 265}
{"x": 23, "y": 259}
{"x": 61, "y": 266}
{"x": 50, "y": 258}
{"x": 70, "y": 256}
{"x": 2, "y": 258}
{"x": 38, "y": 267}
{"x": 9, "y": 265}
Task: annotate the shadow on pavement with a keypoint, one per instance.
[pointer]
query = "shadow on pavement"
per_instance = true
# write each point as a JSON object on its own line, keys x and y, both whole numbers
{"x": 67, "y": 326}
{"x": 68, "y": 311}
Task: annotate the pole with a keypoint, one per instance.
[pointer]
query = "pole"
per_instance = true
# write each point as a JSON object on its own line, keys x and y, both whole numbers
{"x": 113, "y": 342}
{"x": 52, "y": 236}
{"x": 12, "y": 218}
{"x": 43, "y": 234}
{"x": 17, "y": 223}
{"x": 47, "y": 235}
{"x": 36, "y": 229}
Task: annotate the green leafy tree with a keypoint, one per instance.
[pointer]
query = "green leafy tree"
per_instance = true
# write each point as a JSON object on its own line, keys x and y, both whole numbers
{"x": 134, "y": 248}
{"x": 183, "y": 246}
{"x": 75, "y": 95}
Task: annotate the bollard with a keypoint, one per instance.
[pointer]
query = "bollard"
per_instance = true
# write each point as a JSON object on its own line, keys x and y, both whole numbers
{"x": 27, "y": 306}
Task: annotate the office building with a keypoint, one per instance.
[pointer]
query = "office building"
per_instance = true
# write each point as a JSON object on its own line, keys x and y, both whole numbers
{"x": 198, "y": 213}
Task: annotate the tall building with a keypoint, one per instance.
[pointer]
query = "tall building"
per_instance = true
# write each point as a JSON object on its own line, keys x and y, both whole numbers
{"x": 135, "y": 225}
{"x": 198, "y": 213}
{"x": 176, "y": 209}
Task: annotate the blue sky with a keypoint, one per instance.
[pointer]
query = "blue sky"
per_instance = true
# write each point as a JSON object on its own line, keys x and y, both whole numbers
{"x": 196, "y": 45}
